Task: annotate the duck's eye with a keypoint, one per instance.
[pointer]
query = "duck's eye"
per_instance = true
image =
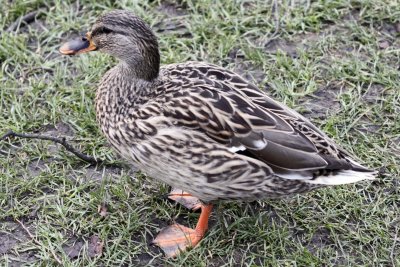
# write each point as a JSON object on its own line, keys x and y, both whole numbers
{"x": 106, "y": 30}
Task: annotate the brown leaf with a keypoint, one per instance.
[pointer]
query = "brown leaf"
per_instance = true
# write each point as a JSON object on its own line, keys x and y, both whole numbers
{"x": 102, "y": 209}
{"x": 383, "y": 44}
{"x": 74, "y": 248}
{"x": 95, "y": 246}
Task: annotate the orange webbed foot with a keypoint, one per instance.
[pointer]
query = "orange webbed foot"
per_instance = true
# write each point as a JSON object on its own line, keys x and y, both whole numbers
{"x": 176, "y": 238}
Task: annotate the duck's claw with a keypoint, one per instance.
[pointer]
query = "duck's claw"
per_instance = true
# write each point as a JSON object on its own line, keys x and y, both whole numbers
{"x": 185, "y": 199}
{"x": 176, "y": 238}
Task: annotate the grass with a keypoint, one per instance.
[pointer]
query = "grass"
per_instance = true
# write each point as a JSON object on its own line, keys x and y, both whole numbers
{"x": 334, "y": 61}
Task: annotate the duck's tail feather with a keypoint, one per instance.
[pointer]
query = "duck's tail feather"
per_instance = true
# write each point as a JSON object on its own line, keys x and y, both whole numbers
{"x": 344, "y": 177}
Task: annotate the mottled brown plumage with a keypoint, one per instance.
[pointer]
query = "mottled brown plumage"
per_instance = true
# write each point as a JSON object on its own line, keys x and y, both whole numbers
{"x": 204, "y": 129}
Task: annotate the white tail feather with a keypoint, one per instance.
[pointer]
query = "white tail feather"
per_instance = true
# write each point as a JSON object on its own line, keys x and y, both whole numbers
{"x": 343, "y": 177}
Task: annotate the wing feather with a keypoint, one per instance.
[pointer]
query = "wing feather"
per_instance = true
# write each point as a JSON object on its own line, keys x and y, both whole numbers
{"x": 236, "y": 113}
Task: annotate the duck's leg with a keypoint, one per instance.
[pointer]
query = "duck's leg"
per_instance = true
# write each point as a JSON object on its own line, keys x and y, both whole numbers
{"x": 185, "y": 199}
{"x": 176, "y": 238}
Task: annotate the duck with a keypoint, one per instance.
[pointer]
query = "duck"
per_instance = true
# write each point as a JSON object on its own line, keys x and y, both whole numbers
{"x": 204, "y": 129}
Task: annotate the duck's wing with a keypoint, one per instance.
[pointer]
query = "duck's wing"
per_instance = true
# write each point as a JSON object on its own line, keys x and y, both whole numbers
{"x": 237, "y": 114}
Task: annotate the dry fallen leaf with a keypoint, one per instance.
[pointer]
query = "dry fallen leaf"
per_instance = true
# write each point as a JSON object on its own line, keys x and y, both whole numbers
{"x": 95, "y": 246}
{"x": 383, "y": 44}
{"x": 102, "y": 209}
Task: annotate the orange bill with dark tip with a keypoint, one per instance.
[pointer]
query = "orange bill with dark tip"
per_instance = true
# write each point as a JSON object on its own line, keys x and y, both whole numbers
{"x": 82, "y": 45}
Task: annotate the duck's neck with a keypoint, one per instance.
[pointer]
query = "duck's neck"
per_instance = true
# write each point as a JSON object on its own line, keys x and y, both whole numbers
{"x": 120, "y": 94}
{"x": 133, "y": 81}
{"x": 122, "y": 89}
{"x": 143, "y": 64}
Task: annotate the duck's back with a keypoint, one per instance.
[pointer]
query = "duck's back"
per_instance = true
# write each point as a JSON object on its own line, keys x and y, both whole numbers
{"x": 236, "y": 113}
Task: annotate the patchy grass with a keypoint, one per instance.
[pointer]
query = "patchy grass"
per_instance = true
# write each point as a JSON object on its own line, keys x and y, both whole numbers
{"x": 334, "y": 61}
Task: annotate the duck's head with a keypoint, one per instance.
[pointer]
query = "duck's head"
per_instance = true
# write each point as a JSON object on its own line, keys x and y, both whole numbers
{"x": 124, "y": 36}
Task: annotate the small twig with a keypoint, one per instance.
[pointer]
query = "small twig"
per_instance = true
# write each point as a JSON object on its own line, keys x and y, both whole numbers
{"x": 37, "y": 242}
{"x": 27, "y": 231}
{"x": 26, "y": 19}
{"x": 62, "y": 141}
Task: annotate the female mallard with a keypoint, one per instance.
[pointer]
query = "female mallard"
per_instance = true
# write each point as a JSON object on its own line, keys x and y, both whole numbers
{"x": 204, "y": 129}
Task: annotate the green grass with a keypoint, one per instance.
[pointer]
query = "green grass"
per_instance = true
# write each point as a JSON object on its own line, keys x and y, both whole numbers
{"x": 328, "y": 60}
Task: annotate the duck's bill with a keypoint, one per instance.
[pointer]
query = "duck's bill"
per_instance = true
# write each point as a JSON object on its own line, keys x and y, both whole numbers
{"x": 78, "y": 46}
